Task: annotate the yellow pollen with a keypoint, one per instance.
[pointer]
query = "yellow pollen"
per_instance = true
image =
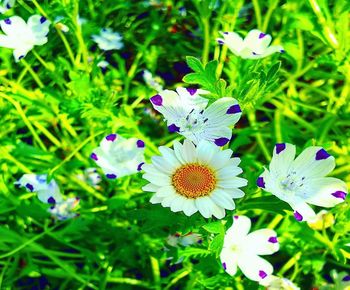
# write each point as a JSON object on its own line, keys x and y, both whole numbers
{"x": 194, "y": 180}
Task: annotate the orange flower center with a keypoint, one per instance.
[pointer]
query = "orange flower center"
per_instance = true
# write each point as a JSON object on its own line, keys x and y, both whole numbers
{"x": 194, "y": 180}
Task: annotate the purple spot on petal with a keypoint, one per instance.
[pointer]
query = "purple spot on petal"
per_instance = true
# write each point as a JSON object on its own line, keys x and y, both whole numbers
{"x": 236, "y": 217}
{"x": 346, "y": 278}
{"x": 173, "y": 128}
{"x": 42, "y": 19}
{"x": 30, "y": 187}
{"x": 234, "y": 109}
{"x": 220, "y": 41}
{"x": 298, "y": 216}
{"x": 322, "y": 154}
{"x": 339, "y": 194}
{"x": 280, "y": 147}
{"x": 273, "y": 240}
{"x": 94, "y": 156}
{"x": 226, "y": 33}
{"x": 192, "y": 91}
{"x": 221, "y": 141}
{"x": 51, "y": 200}
{"x": 157, "y": 100}
{"x": 224, "y": 266}
{"x": 282, "y": 51}
{"x": 262, "y": 35}
{"x": 52, "y": 207}
{"x": 7, "y": 21}
{"x": 254, "y": 53}
{"x": 262, "y": 274}
{"x": 260, "y": 182}
{"x": 111, "y": 176}
{"x": 21, "y": 56}
{"x": 111, "y": 137}
{"x": 139, "y": 167}
{"x": 140, "y": 144}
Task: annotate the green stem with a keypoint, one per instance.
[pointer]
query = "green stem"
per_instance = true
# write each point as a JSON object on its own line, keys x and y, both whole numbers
{"x": 206, "y": 42}
{"x": 257, "y": 13}
{"x": 33, "y": 73}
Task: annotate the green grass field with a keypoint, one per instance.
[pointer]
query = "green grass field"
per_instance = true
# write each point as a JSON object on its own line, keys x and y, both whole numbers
{"x": 63, "y": 92}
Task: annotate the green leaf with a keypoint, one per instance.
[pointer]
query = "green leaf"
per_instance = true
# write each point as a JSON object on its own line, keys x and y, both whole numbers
{"x": 268, "y": 203}
{"x": 273, "y": 70}
{"x": 215, "y": 227}
{"x": 216, "y": 244}
{"x": 194, "y": 63}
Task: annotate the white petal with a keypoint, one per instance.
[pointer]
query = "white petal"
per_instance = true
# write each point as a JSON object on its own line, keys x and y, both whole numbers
{"x": 150, "y": 187}
{"x": 283, "y": 156}
{"x": 166, "y": 191}
{"x": 155, "y": 199}
{"x": 177, "y": 203}
{"x": 228, "y": 172}
{"x": 262, "y": 242}
{"x": 189, "y": 207}
{"x": 167, "y": 201}
{"x": 233, "y": 41}
{"x": 257, "y": 41}
{"x": 206, "y": 151}
{"x": 302, "y": 211}
{"x": 239, "y": 229}
{"x": 326, "y": 191}
{"x": 163, "y": 164}
{"x": 234, "y": 182}
{"x": 221, "y": 159}
{"x": 222, "y": 199}
{"x": 313, "y": 162}
{"x": 157, "y": 179}
{"x": 189, "y": 152}
{"x": 14, "y": 25}
{"x": 229, "y": 261}
{"x": 169, "y": 155}
{"x": 254, "y": 267}
{"x": 204, "y": 205}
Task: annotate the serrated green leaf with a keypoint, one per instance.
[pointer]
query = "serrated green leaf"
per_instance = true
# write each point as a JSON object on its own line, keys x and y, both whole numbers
{"x": 215, "y": 227}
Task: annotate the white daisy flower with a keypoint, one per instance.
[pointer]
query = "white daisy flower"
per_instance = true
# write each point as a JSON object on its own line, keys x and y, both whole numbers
{"x": 151, "y": 81}
{"x": 323, "y": 220}
{"x": 108, "y": 39}
{"x": 243, "y": 250}
{"x": 302, "y": 181}
{"x": 276, "y": 283}
{"x": 184, "y": 240}
{"x": 64, "y": 209}
{"x": 21, "y": 36}
{"x": 6, "y": 5}
{"x": 118, "y": 156}
{"x": 191, "y": 179}
{"x": 255, "y": 45}
{"x": 186, "y": 112}
{"x": 47, "y": 192}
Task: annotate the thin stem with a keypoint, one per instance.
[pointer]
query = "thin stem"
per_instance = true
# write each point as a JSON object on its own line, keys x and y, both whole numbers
{"x": 33, "y": 73}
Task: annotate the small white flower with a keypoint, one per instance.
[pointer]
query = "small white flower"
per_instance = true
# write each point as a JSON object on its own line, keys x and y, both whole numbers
{"x": 276, "y": 283}
{"x": 191, "y": 179}
{"x": 6, "y": 5}
{"x": 90, "y": 176}
{"x": 108, "y": 39}
{"x": 151, "y": 81}
{"x": 255, "y": 45}
{"x": 324, "y": 219}
{"x": 47, "y": 192}
{"x": 184, "y": 240}
{"x": 302, "y": 181}
{"x": 21, "y": 36}
{"x": 103, "y": 64}
{"x": 186, "y": 112}
{"x": 118, "y": 156}
{"x": 243, "y": 250}
{"x": 64, "y": 209}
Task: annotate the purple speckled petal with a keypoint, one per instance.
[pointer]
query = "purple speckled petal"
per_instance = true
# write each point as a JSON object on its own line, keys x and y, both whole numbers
{"x": 273, "y": 240}
{"x": 139, "y": 167}
{"x": 173, "y": 128}
{"x": 282, "y": 51}
{"x": 51, "y": 200}
{"x": 262, "y": 274}
{"x": 21, "y": 56}
{"x": 30, "y": 187}
{"x": 339, "y": 194}
{"x": 260, "y": 182}
{"x": 42, "y": 19}
{"x": 224, "y": 266}
{"x": 192, "y": 91}
{"x": 262, "y": 35}
{"x": 111, "y": 137}
{"x": 298, "y": 216}
{"x": 140, "y": 144}
{"x": 220, "y": 41}
{"x": 322, "y": 154}
{"x": 7, "y": 21}
{"x": 93, "y": 156}
{"x": 234, "y": 109}
{"x": 346, "y": 278}
{"x": 221, "y": 141}
{"x": 157, "y": 100}
{"x": 111, "y": 176}
{"x": 236, "y": 217}
{"x": 280, "y": 147}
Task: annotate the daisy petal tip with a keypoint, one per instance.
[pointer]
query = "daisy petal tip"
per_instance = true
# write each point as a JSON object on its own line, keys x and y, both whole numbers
{"x": 322, "y": 154}
{"x": 157, "y": 100}
{"x": 298, "y": 216}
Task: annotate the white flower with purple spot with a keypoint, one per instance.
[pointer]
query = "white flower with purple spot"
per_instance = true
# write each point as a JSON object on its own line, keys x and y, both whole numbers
{"x": 118, "y": 156}
{"x": 47, "y": 192}
{"x": 276, "y": 283}
{"x": 303, "y": 181}
{"x": 184, "y": 240}
{"x": 191, "y": 179}
{"x": 151, "y": 81}
{"x": 65, "y": 209}
{"x": 21, "y": 36}
{"x": 108, "y": 39}
{"x": 255, "y": 45}
{"x": 90, "y": 176}
{"x": 243, "y": 249}
{"x": 186, "y": 112}
{"x": 6, "y": 5}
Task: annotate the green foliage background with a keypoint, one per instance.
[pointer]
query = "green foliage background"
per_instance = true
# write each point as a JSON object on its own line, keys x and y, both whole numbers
{"x": 56, "y": 104}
